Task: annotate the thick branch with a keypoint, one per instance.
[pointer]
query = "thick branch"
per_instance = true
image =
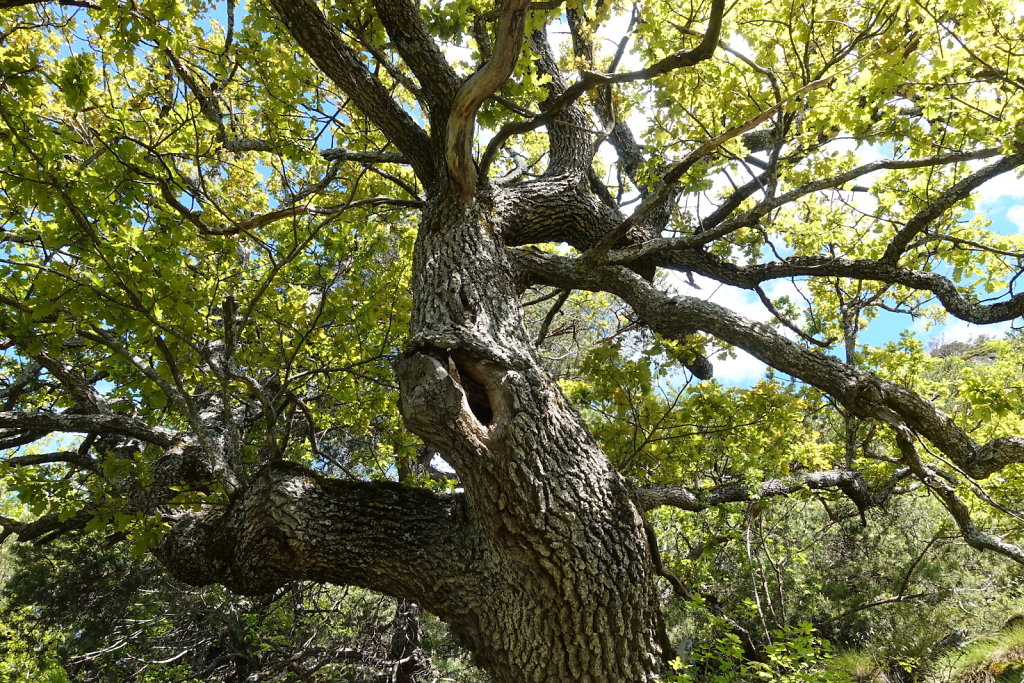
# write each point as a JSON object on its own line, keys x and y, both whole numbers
{"x": 322, "y": 42}
{"x": 291, "y": 524}
{"x": 480, "y": 86}
{"x": 864, "y": 394}
{"x": 69, "y": 457}
{"x": 92, "y": 424}
{"x": 568, "y": 132}
{"x": 44, "y": 529}
{"x": 74, "y": 382}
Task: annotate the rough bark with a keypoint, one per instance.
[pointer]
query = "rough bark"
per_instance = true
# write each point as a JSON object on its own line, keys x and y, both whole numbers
{"x": 543, "y": 566}
{"x": 559, "y": 519}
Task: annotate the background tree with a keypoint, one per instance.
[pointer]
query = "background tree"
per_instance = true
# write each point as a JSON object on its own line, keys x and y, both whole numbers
{"x": 235, "y": 238}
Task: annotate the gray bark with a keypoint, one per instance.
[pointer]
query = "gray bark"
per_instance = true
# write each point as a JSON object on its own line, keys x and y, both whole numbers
{"x": 559, "y": 520}
{"x": 542, "y": 567}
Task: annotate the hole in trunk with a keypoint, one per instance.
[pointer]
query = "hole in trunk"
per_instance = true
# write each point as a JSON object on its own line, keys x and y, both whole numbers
{"x": 476, "y": 391}
{"x": 479, "y": 402}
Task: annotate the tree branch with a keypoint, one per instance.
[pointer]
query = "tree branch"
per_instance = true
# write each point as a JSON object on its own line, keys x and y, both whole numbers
{"x": 10, "y": 4}
{"x": 74, "y": 382}
{"x": 44, "y": 529}
{"x": 715, "y": 226}
{"x": 850, "y": 482}
{"x": 569, "y": 148}
{"x": 664, "y": 189}
{"x": 414, "y": 43}
{"x": 322, "y": 42}
{"x": 243, "y": 145}
{"x": 91, "y": 424}
{"x": 387, "y": 537}
{"x": 593, "y": 79}
{"x": 863, "y": 393}
{"x": 481, "y": 85}
{"x": 958, "y": 510}
{"x": 749, "y": 277}
{"x": 69, "y": 457}
{"x": 295, "y": 211}
{"x": 945, "y": 201}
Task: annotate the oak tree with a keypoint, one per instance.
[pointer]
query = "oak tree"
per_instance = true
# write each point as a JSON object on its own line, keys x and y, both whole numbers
{"x": 259, "y": 260}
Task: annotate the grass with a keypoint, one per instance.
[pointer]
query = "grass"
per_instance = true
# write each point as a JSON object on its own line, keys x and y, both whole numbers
{"x": 990, "y": 659}
{"x": 860, "y": 665}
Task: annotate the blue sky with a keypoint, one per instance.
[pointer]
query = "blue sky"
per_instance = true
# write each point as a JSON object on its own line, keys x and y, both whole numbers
{"x": 1002, "y": 202}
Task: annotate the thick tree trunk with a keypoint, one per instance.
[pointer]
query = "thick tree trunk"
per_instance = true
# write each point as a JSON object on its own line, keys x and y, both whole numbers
{"x": 571, "y": 592}
{"x": 541, "y": 567}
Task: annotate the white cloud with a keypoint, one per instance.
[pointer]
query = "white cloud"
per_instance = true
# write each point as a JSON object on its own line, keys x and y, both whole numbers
{"x": 739, "y": 301}
{"x": 1015, "y": 214}
{"x": 795, "y": 290}
{"x": 559, "y": 36}
{"x": 739, "y": 44}
{"x": 958, "y": 330}
{"x": 1003, "y": 186}
{"x": 743, "y": 369}
{"x": 617, "y": 27}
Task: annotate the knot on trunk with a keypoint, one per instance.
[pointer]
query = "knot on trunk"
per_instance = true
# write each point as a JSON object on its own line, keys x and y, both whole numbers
{"x": 196, "y": 550}
{"x": 449, "y": 396}
{"x": 254, "y": 545}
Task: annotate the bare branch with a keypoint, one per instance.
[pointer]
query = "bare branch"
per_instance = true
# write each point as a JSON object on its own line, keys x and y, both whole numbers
{"x": 938, "y": 206}
{"x": 592, "y": 79}
{"x": 69, "y": 457}
{"x": 96, "y": 424}
{"x": 552, "y": 312}
{"x": 874, "y": 603}
{"x": 481, "y": 85}
{"x": 850, "y": 482}
{"x": 663, "y": 191}
{"x": 294, "y": 211}
{"x": 242, "y": 145}
{"x": 339, "y": 154}
{"x": 975, "y": 537}
{"x": 863, "y": 393}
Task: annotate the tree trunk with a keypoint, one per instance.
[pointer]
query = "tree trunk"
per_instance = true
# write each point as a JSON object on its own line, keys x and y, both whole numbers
{"x": 572, "y": 592}
{"x": 541, "y": 567}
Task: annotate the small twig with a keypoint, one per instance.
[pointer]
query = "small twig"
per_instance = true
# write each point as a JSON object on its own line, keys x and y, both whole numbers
{"x": 552, "y": 312}
{"x": 787, "y": 322}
